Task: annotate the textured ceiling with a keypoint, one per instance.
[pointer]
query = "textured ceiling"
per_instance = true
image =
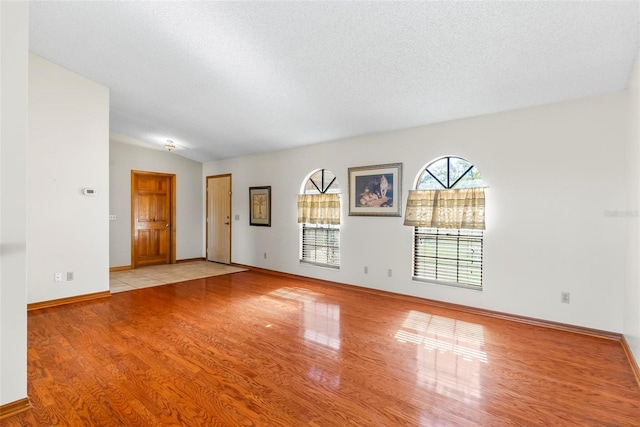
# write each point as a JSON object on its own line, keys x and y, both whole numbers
{"x": 224, "y": 79}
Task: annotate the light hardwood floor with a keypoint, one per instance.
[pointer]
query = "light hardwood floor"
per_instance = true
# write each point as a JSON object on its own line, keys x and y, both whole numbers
{"x": 254, "y": 349}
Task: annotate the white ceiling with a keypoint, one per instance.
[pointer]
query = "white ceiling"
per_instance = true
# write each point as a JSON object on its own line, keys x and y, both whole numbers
{"x": 225, "y": 79}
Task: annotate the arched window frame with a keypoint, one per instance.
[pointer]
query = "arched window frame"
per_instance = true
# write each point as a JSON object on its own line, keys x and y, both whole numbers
{"x": 319, "y": 238}
{"x": 457, "y": 170}
{"x": 449, "y": 256}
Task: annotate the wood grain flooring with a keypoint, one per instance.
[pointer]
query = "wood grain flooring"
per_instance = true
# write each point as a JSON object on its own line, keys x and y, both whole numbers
{"x": 253, "y": 349}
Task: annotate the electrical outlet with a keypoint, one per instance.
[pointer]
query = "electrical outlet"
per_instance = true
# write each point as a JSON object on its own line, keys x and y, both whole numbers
{"x": 565, "y": 297}
{"x": 389, "y": 272}
{"x": 57, "y": 277}
{"x": 112, "y": 217}
{"x": 366, "y": 270}
{"x": 69, "y": 276}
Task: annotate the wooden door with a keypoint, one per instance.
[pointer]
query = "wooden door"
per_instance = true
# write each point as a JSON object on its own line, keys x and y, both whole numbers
{"x": 152, "y": 218}
{"x": 219, "y": 218}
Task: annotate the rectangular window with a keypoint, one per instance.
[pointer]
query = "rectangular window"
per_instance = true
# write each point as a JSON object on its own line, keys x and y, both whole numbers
{"x": 448, "y": 256}
{"x": 320, "y": 245}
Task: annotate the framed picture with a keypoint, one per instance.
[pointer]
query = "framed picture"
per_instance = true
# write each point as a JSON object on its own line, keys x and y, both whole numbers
{"x": 376, "y": 190}
{"x": 260, "y": 206}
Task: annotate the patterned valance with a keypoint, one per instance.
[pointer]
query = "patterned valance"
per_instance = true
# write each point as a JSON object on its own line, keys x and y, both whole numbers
{"x": 319, "y": 209}
{"x": 454, "y": 208}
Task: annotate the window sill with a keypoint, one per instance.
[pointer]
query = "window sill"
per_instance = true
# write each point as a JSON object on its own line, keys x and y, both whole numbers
{"x": 318, "y": 264}
{"x": 448, "y": 284}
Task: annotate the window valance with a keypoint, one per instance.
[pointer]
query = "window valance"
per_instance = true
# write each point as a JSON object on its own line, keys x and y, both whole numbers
{"x": 319, "y": 209}
{"x": 452, "y": 208}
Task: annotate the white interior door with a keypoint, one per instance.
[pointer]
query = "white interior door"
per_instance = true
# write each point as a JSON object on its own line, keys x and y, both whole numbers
{"x": 219, "y": 219}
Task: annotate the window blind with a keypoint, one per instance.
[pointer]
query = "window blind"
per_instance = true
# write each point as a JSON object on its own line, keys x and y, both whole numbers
{"x": 321, "y": 245}
{"x": 448, "y": 255}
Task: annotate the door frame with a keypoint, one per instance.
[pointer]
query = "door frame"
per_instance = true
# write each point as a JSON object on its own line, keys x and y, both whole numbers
{"x": 172, "y": 247}
{"x": 206, "y": 218}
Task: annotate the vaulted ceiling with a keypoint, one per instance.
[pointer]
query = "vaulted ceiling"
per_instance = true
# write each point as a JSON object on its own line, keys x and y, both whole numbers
{"x": 225, "y": 79}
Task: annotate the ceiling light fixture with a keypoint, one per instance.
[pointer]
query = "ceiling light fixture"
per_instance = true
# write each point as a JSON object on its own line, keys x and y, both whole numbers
{"x": 169, "y": 145}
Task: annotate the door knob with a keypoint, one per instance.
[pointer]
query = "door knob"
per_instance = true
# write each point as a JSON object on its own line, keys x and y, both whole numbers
{"x": 226, "y": 223}
{"x": 167, "y": 225}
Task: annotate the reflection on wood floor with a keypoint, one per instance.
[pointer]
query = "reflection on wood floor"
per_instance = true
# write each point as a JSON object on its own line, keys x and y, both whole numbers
{"x": 254, "y": 349}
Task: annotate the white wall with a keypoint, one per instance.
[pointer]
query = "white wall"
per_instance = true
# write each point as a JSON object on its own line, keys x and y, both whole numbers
{"x": 632, "y": 285}
{"x": 553, "y": 174}
{"x": 68, "y": 150}
{"x": 126, "y": 156}
{"x": 14, "y": 34}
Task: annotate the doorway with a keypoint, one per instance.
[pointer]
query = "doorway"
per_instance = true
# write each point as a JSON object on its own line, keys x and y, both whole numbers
{"x": 219, "y": 218}
{"x": 153, "y": 200}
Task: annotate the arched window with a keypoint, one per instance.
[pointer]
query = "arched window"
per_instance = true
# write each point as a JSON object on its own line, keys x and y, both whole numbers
{"x": 449, "y": 172}
{"x": 446, "y": 210}
{"x": 319, "y": 219}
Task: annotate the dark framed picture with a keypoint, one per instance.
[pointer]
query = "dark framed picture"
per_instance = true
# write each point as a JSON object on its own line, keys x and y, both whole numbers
{"x": 376, "y": 190}
{"x": 260, "y": 206}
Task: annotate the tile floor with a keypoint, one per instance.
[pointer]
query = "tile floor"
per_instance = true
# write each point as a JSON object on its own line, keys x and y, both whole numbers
{"x": 144, "y": 277}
